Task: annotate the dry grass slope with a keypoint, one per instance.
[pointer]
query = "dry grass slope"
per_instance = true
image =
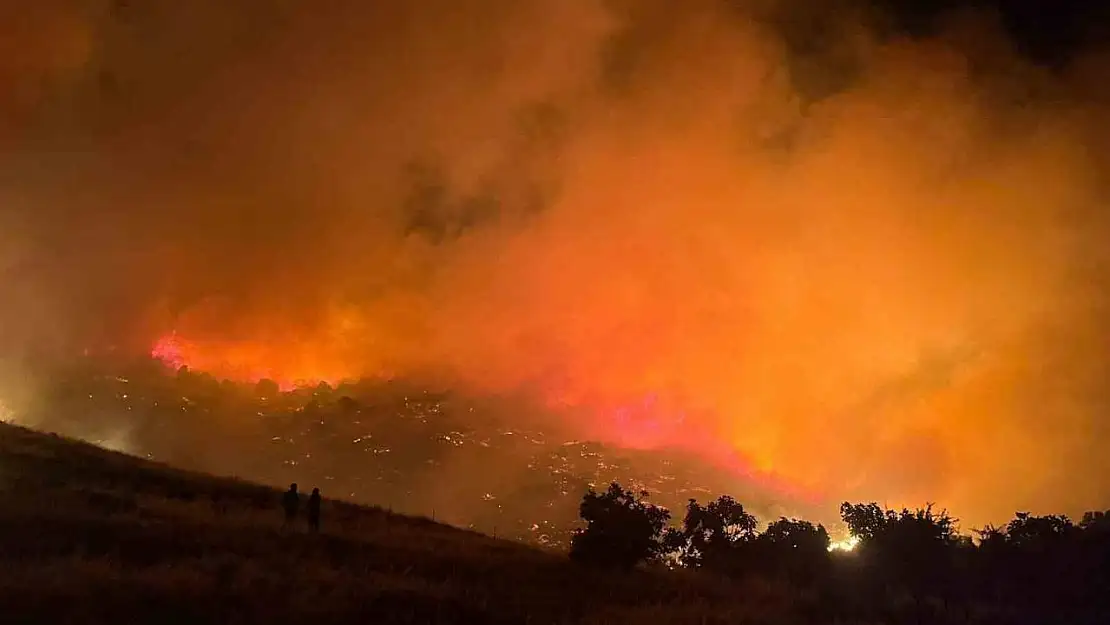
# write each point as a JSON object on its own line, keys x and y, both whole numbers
{"x": 92, "y": 536}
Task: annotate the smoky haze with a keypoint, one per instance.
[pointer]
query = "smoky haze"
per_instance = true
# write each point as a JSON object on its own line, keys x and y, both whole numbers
{"x": 872, "y": 263}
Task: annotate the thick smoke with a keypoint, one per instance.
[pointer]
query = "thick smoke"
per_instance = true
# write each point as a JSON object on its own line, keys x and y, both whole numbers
{"x": 869, "y": 260}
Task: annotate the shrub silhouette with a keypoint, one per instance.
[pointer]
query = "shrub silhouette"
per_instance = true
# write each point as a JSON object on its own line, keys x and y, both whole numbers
{"x": 621, "y": 530}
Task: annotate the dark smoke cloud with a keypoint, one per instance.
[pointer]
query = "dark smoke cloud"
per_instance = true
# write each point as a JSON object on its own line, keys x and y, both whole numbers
{"x": 864, "y": 246}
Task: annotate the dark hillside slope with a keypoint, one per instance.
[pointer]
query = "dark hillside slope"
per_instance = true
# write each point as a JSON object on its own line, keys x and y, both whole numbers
{"x": 93, "y": 536}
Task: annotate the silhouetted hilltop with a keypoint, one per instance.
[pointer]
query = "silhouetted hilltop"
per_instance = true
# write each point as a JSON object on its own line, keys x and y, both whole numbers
{"x": 94, "y": 536}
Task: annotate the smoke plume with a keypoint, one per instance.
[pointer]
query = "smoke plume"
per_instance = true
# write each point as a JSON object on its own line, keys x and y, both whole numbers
{"x": 868, "y": 259}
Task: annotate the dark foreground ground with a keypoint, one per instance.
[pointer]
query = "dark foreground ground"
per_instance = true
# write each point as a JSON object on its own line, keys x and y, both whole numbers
{"x": 91, "y": 536}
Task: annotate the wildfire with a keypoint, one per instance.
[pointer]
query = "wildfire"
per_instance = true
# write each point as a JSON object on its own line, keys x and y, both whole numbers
{"x": 290, "y": 366}
{"x": 848, "y": 544}
{"x": 648, "y": 423}
{"x": 168, "y": 350}
{"x": 645, "y": 425}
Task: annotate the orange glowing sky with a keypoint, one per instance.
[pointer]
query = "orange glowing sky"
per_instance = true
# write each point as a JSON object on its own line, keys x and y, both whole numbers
{"x": 871, "y": 267}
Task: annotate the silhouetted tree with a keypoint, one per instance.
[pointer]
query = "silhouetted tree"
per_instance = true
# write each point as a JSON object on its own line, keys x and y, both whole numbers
{"x": 991, "y": 558}
{"x": 794, "y": 549}
{"x": 1094, "y": 547}
{"x": 1097, "y": 520}
{"x": 1038, "y": 532}
{"x": 267, "y": 388}
{"x": 912, "y": 550}
{"x": 1039, "y": 565}
{"x": 713, "y": 535}
{"x": 621, "y": 530}
{"x": 865, "y": 521}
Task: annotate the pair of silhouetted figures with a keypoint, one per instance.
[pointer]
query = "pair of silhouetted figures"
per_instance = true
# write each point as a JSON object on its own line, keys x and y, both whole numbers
{"x": 291, "y": 501}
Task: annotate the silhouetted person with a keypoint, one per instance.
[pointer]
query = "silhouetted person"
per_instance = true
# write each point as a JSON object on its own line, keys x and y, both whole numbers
{"x": 291, "y": 501}
{"x": 314, "y": 510}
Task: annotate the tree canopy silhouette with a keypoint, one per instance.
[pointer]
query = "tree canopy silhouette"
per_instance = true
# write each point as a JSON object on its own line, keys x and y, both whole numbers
{"x": 621, "y": 530}
{"x": 794, "y": 549}
{"x": 1033, "y": 569}
{"x": 713, "y": 535}
{"x": 910, "y": 549}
